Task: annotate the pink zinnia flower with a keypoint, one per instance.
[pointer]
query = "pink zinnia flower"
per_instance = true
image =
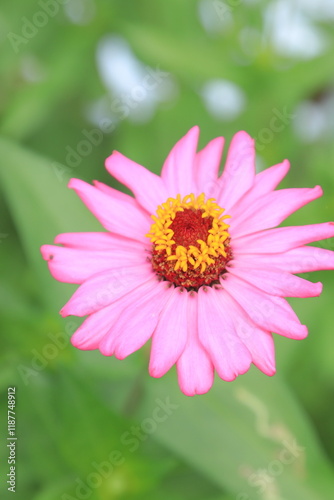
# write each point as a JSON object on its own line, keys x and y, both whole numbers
{"x": 206, "y": 278}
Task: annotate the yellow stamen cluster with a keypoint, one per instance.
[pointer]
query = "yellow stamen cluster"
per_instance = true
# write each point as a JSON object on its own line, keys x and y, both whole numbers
{"x": 202, "y": 255}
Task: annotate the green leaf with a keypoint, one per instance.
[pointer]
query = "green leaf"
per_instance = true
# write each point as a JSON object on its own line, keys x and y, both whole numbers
{"x": 42, "y": 206}
{"x": 249, "y": 437}
{"x": 66, "y": 67}
{"x": 189, "y": 58}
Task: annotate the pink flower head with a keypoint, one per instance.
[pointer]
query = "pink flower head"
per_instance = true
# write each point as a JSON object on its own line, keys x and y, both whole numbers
{"x": 206, "y": 278}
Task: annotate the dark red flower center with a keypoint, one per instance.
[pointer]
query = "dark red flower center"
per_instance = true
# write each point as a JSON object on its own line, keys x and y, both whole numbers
{"x": 189, "y": 226}
{"x": 191, "y": 244}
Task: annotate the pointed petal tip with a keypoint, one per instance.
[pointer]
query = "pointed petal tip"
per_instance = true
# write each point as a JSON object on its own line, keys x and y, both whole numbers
{"x": 286, "y": 165}
{"x": 319, "y": 287}
{"x": 79, "y": 344}
{"x": 195, "y": 391}
{"x": 64, "y": 313}
{"x": 58, "y": 238}
{"x": 200, "y": 392}
{"x": 192, "y": 135}
{"x": 71, "y": 182}
{"x": 191, "y": 388}
{"x": 267, "y": 366}
{"x": 228, "y": 378}
{"x": 318, "y": 191}
{"x": 302, "y": 334}
{"x": 119, "y": 355}
{"x": 73, "y": 342}
{"x": 244, "y": 136}
{"x": 120, "y": 349}
{"x": 245, "y": 369}
{"x": 106, "y": 350}
{"x": 74, "y": 183}
{"x": 241, "y": 133}
{"x": 216, "y": 146}
{"x": 219, "y": 143}
{"x": 108, "y": 163}
{"x": 46, "y": 253}
{"x": 155, "y": 371}
{"x": 299, "y": 332}
{"x": 270, "y": 371}
{"x": 195, "y": 130}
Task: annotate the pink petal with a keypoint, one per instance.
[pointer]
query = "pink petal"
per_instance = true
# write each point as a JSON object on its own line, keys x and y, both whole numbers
{"x": 270, "y": 210}
{"x": 207, "y": 167}
{"x": 72, "y": 265}
{"x": 239, "y": 172}
{"x": 97, "y": 241}
{"x": 137, "y": 323}
{"x": 118, "y": 195}
{"x": 194, "y": 367}
{"x": 262, "y": 349}
{"x": 265, "y": 182}
{"x": 298, "y": 260}
{"x": 269, "y": 179}
{"x": 178, "y": 169}
{"x": 282, "y": 239}
{"x": 119, "y": 216}
{"x": 268, "y": 312}
{"x": 217, "y": 334}
{"x": 97, "y": 330}
{"x": 96, "y": 326}
{"x": 105, "y": 288}
{"x": 170, "y": 336}
{"x": 147, "y": 187}
{"x": 259, "y": 342}
{"x": 277, "y": 282}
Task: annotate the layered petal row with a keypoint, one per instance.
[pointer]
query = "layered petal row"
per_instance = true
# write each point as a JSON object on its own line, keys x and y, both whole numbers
{"x": 132, "y": 292}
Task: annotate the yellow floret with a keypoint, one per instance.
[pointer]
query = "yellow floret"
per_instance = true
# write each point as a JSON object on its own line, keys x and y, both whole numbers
{"x": 162, "y": 236}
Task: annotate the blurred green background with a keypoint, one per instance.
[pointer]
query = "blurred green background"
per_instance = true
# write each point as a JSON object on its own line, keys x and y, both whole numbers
{"x": 74, "y": 86}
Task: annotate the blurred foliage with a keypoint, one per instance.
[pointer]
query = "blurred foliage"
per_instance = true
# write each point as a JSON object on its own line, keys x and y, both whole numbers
{"x": 74, "y": 409}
